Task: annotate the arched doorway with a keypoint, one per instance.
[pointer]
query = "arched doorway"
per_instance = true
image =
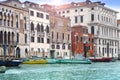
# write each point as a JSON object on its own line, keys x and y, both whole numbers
{"x": 17, "y": 52}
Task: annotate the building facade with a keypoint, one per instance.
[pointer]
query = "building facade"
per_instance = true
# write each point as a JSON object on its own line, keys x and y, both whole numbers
{"x": 118, "y": 25}
{"x": 101, "y": 22}
{"x": 39, "y": 30}
{"x": 82, "y": 42}
{"x": 14, "y": 29}
{"x": 60, "y": 38}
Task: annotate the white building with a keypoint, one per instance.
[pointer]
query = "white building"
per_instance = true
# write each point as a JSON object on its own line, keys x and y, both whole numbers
{"x": 101, "y": 22}
{"x": 39, "y": 30}
{"x": 14, "y": 27}
{"x": 118, "y": 25}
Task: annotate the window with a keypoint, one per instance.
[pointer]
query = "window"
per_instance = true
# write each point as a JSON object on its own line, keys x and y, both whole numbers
{"x": 17, "y": 37}
{"x": 76, "y": 10}
{"x": 25, "y": 38}
{"x": 32, "y": 39}
{"x": 38, "y": 39}
{"x": 25, "y": 25}
{"x": 76, "y": 19}
{"x": 42, "y": 28}
{"x": 92, "y": 17}
{"x": 38, "y": 14}
{"x": 57, "y": 35}
{"x": 41, "y": 15}
{"x": 47, "y": 17}
{"x": 47, "y": 29}
{"x": 57, "y": 46}
{"x": 81, "y": 10}
{"x": 68, "y": 11}
{"x": 53, "y": 46}
{"x": 92, "y": 8}
{"x": 32, "y": 13}
{"x": 32, "y": 26}
{"x": 98, "y": 18}
{"x": 103, "y": 51}
{"x": 52, "y": 35}
{"x": 48, "y": 40}
{"x": 81, "y": 19}
{"x": 68, "y": 36}
{"x": 76, "y": 38}
{"x": 63, "y": 36}
{"x": 39, "y": 50}
{"x": 63, "y": 46}
{"x": 63, "y": 11}
{"x": 42, "y": 40}
{"x": 92, "y": 30}
{"x": 38, "y": 27}
{"x": 59, "y": 12}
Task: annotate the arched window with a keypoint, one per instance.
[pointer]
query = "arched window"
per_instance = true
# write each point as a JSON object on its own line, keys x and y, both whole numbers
{"x": 42, "y": 28}
{"x": 5, "y": 37}
{"x": 8, "y": 37}
{"x": 1, "y": 37}
{"x": 47, "y": 29}
{"x": 16, "y": 21}
{"x": 32, "y": 26}
{"x": 12, "y": 37}
{"x": 38, "y": 27}
{"x": 18, "y": 37}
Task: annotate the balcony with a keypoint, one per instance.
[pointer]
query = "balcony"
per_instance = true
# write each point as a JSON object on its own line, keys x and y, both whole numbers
{"x": 32, "y": 33}
{"x": 41, "y": 34}
{"x": 58, "y": 41}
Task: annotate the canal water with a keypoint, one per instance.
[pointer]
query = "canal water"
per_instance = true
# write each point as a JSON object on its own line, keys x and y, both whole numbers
{"x": 94, "y": 71}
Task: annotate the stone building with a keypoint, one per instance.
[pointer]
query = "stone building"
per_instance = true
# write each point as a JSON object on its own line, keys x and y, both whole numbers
{"x": 14, "y": 22}
{"x": 101, "y": 22}
{"x": 60, "y": 37}
{"x": 39, "y": 30}
{"x": 60, "y": 34}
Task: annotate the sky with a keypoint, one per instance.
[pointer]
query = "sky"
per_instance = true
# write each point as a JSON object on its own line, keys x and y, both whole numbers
{"x": 113, "y": 4}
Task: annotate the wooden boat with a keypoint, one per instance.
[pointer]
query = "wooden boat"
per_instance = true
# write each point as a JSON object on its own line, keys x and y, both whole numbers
{"x": 100, "y": 59}
{"x": 75, "y": 61}
{"x": 31, "y": 61}
{"x": 12, "y": 63}
{"x": 2, "y": 69}
{"x": 52, "y": 61}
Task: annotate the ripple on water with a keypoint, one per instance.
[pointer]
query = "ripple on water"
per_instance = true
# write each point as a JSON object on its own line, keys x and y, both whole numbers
{"x": 95, "y": 71}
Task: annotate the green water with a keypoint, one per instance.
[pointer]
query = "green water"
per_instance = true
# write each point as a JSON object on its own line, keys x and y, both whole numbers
{"x": 94, "y": 71}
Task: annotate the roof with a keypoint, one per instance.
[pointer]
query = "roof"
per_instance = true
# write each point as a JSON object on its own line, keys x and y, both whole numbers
{"x": 72, "y": 5}
{"x": 7, "y": 1}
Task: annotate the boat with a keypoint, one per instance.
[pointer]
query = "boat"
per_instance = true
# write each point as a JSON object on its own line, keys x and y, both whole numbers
{"x": 2, "y": 69}
{"x": 101, "y": 59}
{"x": 75, "y": 61}
{"x": 1, "y": 62}
{"x": 52, "y": 61}
{"x": 12, "y": 63}
{"x": 34, "y": 61}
